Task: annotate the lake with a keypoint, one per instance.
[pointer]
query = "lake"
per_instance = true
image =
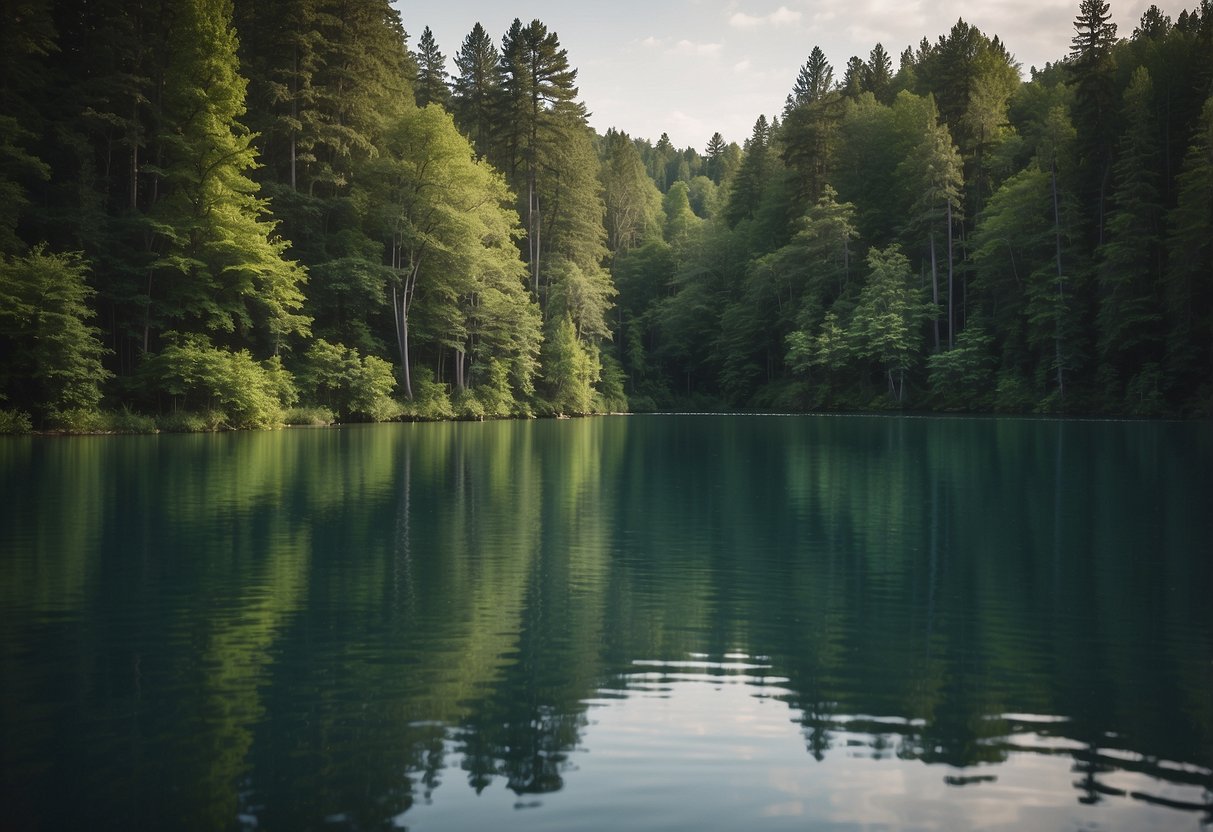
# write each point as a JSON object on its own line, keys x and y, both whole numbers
{"x": 647, "y": 622}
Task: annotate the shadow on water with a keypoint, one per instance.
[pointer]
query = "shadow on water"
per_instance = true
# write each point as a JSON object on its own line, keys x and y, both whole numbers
{"x": 650, "y": 622}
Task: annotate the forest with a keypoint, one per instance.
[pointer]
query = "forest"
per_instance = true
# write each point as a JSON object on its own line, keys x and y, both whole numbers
{"x": 239, "y": 215}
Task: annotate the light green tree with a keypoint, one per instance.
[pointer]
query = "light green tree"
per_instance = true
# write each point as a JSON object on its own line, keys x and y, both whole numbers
{"x": 886, "y": 327}
{"x": 52, "y": 355}
{"x": 220, "y": 269}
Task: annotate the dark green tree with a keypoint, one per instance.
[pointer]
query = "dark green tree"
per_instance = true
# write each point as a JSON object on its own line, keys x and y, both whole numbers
{"x": 477, "y": 89}
{"x": 431, "y": 86}
{"x": 1092, "y": 73}
{"x": 1189, "y": 275}
{"x": 1129, "y": 268}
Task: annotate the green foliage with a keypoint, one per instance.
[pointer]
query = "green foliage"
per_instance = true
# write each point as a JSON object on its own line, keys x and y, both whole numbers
{"x": 431, "y": 86}
{"x": 963, "y": 378}
{"x": 309, "y": 416}
{"x": 180, "y": 146}
{"x": 238, "y": 391}
{"x": 52, "y": 354}
{"x": 356, "y": 387}
{"x": 187, "y": 421}
{"x": 126, "y": 420}
{"x": 219, "y": 267}
{"x": 570, "y": 371}
{"x": 886, "y": 327}
{"x": 431, "y": 400}
{"x": 15, "y": 422}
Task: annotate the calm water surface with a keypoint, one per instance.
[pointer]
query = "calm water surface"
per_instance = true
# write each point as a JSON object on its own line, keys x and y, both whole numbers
{"x": 652, "y": 622}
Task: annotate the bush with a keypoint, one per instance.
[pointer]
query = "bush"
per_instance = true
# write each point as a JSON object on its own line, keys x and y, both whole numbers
{"x": 185, "y": 421}
{"x": 963, "y": 378}
{"x": 1012, "y": 394}
{"x": 127, "y": 421}
{"x": 494, "y": 393}
{"x": 313, "y": 416}
{"x": 430, "y": 399}
{"x": 611, "y": 397}
{"x": 353, "y": 386}
{"x": 15, "y": 422}
{"x": 78, "y": 420}
{"x": 52, "y": 355}
{"x": 197, "y": 375}
{"x": 468, "y": 406}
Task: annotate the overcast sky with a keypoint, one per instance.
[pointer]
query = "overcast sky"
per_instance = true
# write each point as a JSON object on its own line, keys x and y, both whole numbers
{"x": 692, "y": 67}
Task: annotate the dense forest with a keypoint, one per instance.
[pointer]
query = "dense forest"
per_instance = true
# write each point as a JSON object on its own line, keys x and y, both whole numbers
{"x": 235, "y": 215}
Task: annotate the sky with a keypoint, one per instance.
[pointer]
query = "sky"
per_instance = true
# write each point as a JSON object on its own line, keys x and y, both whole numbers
{"x": 690, "y": 68}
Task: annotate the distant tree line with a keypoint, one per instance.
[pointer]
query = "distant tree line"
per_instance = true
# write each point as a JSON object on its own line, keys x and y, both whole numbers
{"x": 234, "y": 215}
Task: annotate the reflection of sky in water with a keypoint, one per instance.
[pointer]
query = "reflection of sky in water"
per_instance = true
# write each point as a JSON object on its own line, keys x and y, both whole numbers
{"x": 701, "y": 744}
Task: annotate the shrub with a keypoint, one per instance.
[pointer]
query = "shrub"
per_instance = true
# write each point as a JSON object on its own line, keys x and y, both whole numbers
{"x": 15, "y": 422}
{"x": 430, "y": 399}
{"x": 313, "y": 416}
{"x": 185, "y": 421}
{"x": 353, "y": 386}
{"x": 197, "y": 375}
{"x": 127, "y": 421}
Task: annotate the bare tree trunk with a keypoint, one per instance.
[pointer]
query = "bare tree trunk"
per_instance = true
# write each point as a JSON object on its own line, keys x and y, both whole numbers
{"x": 951, "y": 308}
{"x": 401, "y": 302}
{"x": 935, "y": 290}
{"x": 1061, "y": 287}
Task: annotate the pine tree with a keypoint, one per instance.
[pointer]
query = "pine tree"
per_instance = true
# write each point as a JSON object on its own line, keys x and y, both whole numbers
{"x": 751, "y": 177}
{"x": 715, "y": 158}
{"x": 219, "y": 268}
{"x": 1092, "y": 74}
{"x": 540, "y": 112}
{"x": 855, "y": 79}
{"x": 477, "y": 90}
{"x": 880, "y": 74}
{"x": 815, "y": 79}
{"x": 633, "y": 203}
{"x": 1129, "y": 314}
{"x": 431, "y": 85}
{"x": 1189, "y": 276}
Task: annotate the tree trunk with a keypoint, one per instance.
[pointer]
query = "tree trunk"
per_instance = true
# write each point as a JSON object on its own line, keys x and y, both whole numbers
{"x": 951, "y": 309}
{"x": 1061, "y": 287}
{"x": 935, "y": 290}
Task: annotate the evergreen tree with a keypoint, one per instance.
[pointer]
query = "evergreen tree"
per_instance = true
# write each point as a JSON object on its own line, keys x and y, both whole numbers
{"x": 1129, "y": 273}
{"x": 814, "y": 80}
{"x": 751, "y": 178}
{"x": 431, "y": 85}
{"x": 715, "y": 158}
{"x": 1189, "y": 275}
{"x": 880, "y": 74}
{"x": 477, "y": 89}
{"x": 1091, "y": 72}
{"x": 219, "y": 267}
{"x": 542, "y": 113}
{"x": 887, "y": 324}
{"x": 855, "y": 79}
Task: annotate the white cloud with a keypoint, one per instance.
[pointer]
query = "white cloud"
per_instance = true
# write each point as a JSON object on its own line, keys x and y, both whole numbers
{"x": 782, "y": 16}
{"x": 651, "y": 41}
{"x": 742, "y": 66}
{"x": 686, "y": 47}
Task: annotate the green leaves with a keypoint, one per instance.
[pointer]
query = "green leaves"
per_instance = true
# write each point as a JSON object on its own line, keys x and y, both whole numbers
{"x": 52, "y": 353}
